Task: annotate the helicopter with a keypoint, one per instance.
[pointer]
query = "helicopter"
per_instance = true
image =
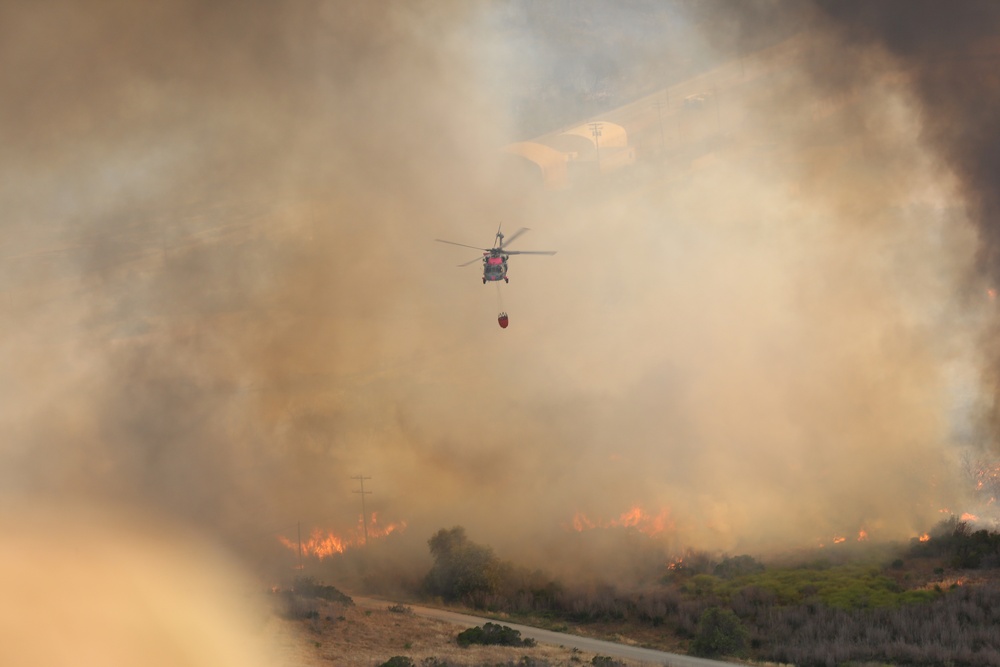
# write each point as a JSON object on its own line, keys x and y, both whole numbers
{"x": 495, "y": 258}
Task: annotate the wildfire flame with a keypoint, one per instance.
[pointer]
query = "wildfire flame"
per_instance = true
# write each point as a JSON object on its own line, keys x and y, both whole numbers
{"x": 840, "y": 539}
{"x": 635, "y": 517}
{"x": 925, "y": 537}
{"x": 323, "y": 544}
{"x": 987, "y": 475}
{"x": 968, "y": 517}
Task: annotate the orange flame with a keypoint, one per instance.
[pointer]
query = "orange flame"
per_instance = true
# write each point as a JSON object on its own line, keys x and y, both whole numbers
{"x": 635, "y": 517}
{"x": 862, "y": 535}
{"x": 969, "y": 517}
{"x": 322, "y": 544}
{"x": 925, "y": 537}
{"x": 838, "y": 540}
{"x": 317, "y": 544}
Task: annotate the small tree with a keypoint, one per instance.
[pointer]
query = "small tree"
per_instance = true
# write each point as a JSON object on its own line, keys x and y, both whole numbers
{"x": 461, "y": 568}
{"x": 719, "y": 633}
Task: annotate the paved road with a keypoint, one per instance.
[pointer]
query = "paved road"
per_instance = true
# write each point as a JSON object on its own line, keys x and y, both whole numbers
{"x": 559, "y": 638}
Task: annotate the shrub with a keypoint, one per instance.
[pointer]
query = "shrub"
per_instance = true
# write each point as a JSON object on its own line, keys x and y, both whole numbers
{"x": 297, "y": 608}
{"x": 737, "y": 566}
{"x": 492, "y": 634}
{"x": 398, "y": 661}
{"x": 963, "y": 548}
{"x": 309, "y": 587}
{"x": 719, "y": 633}
{"x": 701, "y": 585}
{"x": 400, "y": 609}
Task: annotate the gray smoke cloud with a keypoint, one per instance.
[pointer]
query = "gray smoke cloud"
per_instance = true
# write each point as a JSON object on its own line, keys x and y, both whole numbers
{"x": 948, "y": 57}
{"x": 223, "y": 299}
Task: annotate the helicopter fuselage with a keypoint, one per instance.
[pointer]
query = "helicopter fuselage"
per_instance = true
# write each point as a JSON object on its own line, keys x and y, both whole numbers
{"x": 494, "y": 267}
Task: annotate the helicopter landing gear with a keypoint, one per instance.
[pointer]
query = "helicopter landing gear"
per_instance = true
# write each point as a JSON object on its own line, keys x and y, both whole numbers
{"x": 484, "y": 280}
{"x": 506, "y": 279}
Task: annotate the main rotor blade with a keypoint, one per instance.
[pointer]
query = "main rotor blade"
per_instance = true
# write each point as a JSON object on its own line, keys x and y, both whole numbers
{"x": 472, "y": 261}
{"x": 529, "y": 252}
{"x": 461, "y": 244}
{"x": 509, "y": 239}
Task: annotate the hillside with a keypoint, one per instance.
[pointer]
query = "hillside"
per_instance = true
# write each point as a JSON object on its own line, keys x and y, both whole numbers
{"x": 345, "y": 634}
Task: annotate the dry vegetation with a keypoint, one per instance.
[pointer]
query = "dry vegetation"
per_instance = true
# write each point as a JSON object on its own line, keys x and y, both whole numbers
{"x": 932, "y": 602}
{"x": 342, "y": 634}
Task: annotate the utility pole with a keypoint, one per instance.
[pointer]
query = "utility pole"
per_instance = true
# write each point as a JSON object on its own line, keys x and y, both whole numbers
{"x": 595, "y": 129}
{"x": 298, "y": 529}
{"x": 364, "y": 515}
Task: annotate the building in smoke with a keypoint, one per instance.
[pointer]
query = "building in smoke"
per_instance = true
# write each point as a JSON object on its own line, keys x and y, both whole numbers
{"x": 541, "y": 164}
{"x": 562, "y": 159}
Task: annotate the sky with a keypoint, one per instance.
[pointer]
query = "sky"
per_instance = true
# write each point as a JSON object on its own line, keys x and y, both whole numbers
{"x": 223, "y": 300}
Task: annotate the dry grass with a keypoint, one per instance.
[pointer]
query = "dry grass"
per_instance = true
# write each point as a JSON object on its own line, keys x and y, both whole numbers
{"x": 355, "y": 637}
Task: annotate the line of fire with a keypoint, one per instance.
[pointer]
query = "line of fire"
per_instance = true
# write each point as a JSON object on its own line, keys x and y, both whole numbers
{"x": 324, "y": 543}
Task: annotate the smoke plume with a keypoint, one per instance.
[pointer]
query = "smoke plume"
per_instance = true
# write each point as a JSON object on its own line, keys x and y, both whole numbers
{"x": 948, "y": 56}
{"x": 223, "y": 303}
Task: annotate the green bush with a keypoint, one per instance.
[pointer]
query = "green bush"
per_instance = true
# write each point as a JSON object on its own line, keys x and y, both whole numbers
{"x": 851, "y": 586}
{"x": 492, "y": 634}
{"x": 719, "y": 633}
{"x": 605, "y": 661}
{"x": 398, "y": 661}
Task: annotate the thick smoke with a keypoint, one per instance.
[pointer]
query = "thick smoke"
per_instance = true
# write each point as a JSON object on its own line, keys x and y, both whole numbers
{"x": 948, "y": 55}
{"x": 223, "y": 300}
